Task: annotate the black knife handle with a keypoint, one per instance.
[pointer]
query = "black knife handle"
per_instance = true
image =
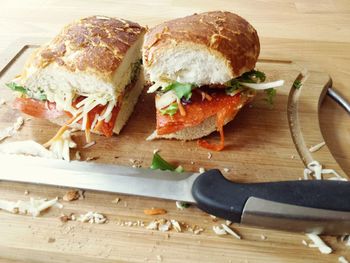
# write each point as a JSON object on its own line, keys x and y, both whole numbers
{"x": 218, "y": 196}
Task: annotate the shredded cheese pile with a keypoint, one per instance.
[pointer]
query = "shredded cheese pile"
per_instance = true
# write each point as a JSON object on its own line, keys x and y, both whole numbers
{"x": 33, "y": 207}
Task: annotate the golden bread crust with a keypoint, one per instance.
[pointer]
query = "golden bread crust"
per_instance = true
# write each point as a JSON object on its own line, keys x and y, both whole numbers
{"x": 94, "y": 44}
{"x": 222, "y": 32}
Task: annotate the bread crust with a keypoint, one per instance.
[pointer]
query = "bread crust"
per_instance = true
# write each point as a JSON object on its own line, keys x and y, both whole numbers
{"x": 95, "y": 44}
{"x": 224, "y": 33}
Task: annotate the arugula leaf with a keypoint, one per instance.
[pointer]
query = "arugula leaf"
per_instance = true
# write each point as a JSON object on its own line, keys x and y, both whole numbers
{"x": 232, "y": 85}
{"x": 253, "y": 76}
{"x": 180, "y": 89}
{"x": 159, "y": 163}
{"x": 16, "y": 87}
{"x": 182, "y": 205}
{"x": 41, "y": 96}
{"x": 170, "y": 110}
{"x": 297, "y": 84}
{"x": 271, "y": 94}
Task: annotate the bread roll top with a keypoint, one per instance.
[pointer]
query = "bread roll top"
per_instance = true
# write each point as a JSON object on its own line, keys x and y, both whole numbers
{"x": 225, "y": 35}
{"x": 95, "y": 45}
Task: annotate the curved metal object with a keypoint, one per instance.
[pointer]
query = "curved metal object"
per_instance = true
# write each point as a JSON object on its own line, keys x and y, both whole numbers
{"x": 339, "y": 99}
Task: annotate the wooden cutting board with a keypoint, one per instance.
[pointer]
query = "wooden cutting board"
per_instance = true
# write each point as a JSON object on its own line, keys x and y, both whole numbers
{"x": 264, "y": 143}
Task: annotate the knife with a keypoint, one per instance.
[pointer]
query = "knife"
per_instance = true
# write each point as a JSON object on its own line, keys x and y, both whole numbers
{"x": 311, "y": 206}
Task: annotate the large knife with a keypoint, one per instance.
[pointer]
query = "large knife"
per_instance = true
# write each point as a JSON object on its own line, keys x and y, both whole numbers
{"x": 300, "y": 206}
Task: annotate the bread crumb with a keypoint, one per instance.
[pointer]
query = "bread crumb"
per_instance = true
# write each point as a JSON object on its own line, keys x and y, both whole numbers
{"x": 209, "y": 155}
{"x": 226, "y": 170}
{"x": 26, "y": 192}
{"x": 316, "y": 147}
{"x": 263, "y": 237}
{"x": 51, "y": 240}
{"x": 136, "y": 163}
{"x": 192, "y": 162}
{"x": 201, "y": 170}
{"x": 91, "y": 158}
{"x": 71, "y": 195}
{"x": 92, "y": 218}
{"x": 159, "y": 258}
{"x": 116, "y": 201}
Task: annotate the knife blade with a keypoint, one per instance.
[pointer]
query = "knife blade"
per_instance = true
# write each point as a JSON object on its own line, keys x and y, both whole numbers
{"x": 321, "y": 207}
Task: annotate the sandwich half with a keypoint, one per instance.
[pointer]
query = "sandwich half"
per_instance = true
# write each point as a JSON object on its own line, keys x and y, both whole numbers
{"x": 88, "y": 77}
{"x": 197, "y": 64}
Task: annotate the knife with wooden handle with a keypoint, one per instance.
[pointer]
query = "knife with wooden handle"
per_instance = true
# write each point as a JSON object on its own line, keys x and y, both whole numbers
{"x": 321, "y": 207}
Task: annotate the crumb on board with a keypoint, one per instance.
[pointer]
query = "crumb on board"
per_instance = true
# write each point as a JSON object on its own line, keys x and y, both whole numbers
{"x": 92, "y": 158}
{"x": 116, "y": 200}
{"x": 209, "y": 155}
{"x": 155, "y": 211}
{"x": 71, "y": 195}
{"x": 92, "y": 218}
{"x": 89, "y": 144}
{"x": 136, "y": 163}
{"x": 51, "y": 240}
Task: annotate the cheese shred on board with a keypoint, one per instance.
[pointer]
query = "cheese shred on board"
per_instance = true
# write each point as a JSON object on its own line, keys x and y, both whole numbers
{"x": 33, "y": 207}
{"x": 318, "y": 242}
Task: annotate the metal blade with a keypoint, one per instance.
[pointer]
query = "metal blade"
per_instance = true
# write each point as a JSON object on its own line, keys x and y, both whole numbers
{"x": 274, "y": 215}
{"x": 100, "y": 177}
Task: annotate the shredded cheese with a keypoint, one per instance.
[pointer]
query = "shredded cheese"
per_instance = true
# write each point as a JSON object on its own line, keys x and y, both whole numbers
{"x": 316, "y": 147}
{"x": 10, "y": 131}
{"x": 219, "y": 231}
{"x": 33, "y": 206}
{"x": 29, "y": 147}
{"x": 230, "y": 231}
{"x": 181, "y": 108}
{"x": 315, "y": 169}
{"x": 62, "y": 145}
{"x": 342, "y": 259}
{"x": 318, "y": 242}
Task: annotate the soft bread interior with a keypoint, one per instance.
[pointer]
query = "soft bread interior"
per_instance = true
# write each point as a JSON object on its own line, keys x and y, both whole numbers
{"x": 129, "y": 101}
{"x": 188, "y": 63}
{"x": 58, "y": 82}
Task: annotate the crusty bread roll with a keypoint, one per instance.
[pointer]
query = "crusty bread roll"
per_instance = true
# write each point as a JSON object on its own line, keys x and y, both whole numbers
{"x": 93, "y": 56}
{"x": 207, "y": 48}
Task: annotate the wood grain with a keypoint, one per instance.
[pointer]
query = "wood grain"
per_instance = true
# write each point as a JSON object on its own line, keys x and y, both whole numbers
{"x": 310, "y": 33}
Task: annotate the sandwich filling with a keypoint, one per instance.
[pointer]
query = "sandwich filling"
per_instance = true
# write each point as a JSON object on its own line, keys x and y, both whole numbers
{"x": 94, "y": 112}
{"x": 183, "y": 105}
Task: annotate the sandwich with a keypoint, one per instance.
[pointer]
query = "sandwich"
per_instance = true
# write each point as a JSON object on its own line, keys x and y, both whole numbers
{"x": 89, "y": 77}
{"x": 202, "y": 69}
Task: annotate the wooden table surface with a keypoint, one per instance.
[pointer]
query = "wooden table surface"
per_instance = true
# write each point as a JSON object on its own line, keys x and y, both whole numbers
{"x": 310, "y": 32}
